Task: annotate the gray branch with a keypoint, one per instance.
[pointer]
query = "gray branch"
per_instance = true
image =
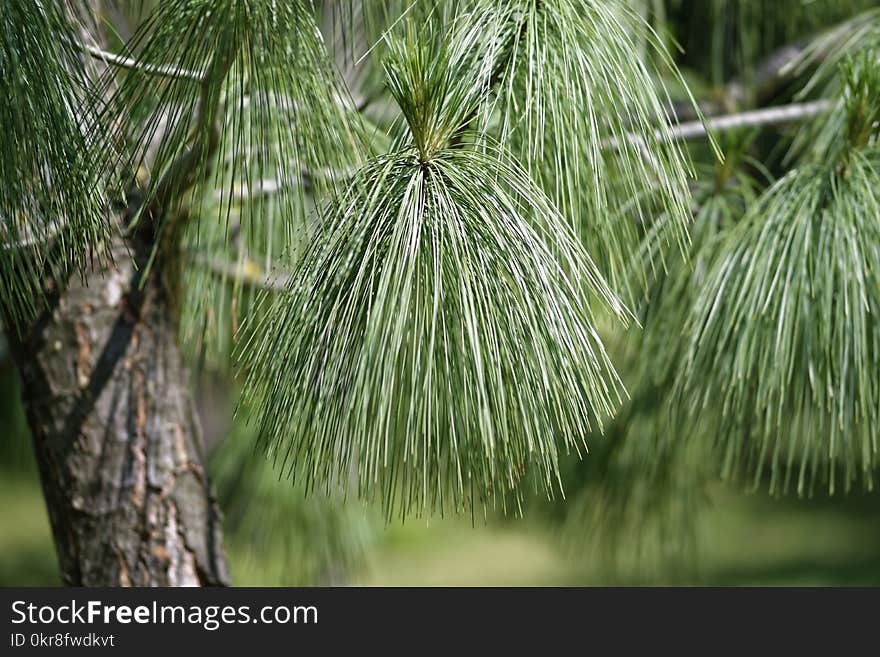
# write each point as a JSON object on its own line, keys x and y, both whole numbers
{"x": 769, "y": 116}
{"x": 134, "y": 65}
{"x": 762, "y": 117}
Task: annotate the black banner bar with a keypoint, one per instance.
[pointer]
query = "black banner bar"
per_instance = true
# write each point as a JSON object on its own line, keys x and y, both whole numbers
{"x": 150, "y": 621}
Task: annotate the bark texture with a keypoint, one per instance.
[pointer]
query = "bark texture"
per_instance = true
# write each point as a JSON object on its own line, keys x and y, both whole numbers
{"x": 116, "y": 433}
{"x": 112, "y": 414}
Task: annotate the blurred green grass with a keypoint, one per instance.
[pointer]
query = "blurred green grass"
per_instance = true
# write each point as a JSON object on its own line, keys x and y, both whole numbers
{"x": 745, "y": 540}
{"x": 27, "y": 557}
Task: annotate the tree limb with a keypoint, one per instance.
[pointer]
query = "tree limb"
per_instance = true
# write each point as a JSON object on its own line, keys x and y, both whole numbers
{"x": 134, "y": 65}
{"x": 767, "y": 116}
{"x": 756, "y": 118}
{"x": 205, "y": 137}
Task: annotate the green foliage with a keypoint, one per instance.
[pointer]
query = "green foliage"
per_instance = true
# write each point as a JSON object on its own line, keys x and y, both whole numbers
{"x": 825, "y": 54}
{"x": 641, "y": 492}
{"x": 438, "y": 82}
{"x": 722, "y": 195}
{"x": 861, "y": 100}
{"x": 248, "y": 80}
{"x": 727, "y": 39}
{"x": 436, "y": 337}
{"x": 852, "y": 81}
{"x": 52, "y": 207}
{"x": 434, "y": 280}
{"x": 238, "y": 66}
{"x": 784, "y": 334}
{"x": 581, "y": 109}
{"x": 234, "y": 123}
{"x": 639, "y": 497}
{"x": 293, "y": 538}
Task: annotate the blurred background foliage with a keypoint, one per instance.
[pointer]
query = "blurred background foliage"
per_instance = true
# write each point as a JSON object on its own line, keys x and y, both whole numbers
{"x": 738, "y": 539}
{"x": 644, "y": 507}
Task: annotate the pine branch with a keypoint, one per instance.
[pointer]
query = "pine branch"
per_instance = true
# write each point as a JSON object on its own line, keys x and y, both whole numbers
{"x": 548, "y": 90}
{"x": 206, "y": 136}
{"x": 757, "y": 118}
{"x": 28, "y": 237}
{"x": 268, "y": 107}
{"x": 428, "y": 383}
{"x": 50, "y": 190}
{"x": 133, "y": 65}
{"x": 782, "y": 337}
{"x": 763, "y": 117}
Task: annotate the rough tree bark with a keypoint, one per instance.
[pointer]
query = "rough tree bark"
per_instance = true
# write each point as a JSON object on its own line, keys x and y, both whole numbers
{"x": 116, "y": 433}
{"x": 115, "y": 429}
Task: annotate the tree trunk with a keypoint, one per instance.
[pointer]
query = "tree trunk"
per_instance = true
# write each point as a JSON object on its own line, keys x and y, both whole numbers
{"x": 116, "y": 434}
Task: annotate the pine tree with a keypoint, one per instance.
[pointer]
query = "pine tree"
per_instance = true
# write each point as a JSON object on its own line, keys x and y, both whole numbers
{"x": 441, "y": 247}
